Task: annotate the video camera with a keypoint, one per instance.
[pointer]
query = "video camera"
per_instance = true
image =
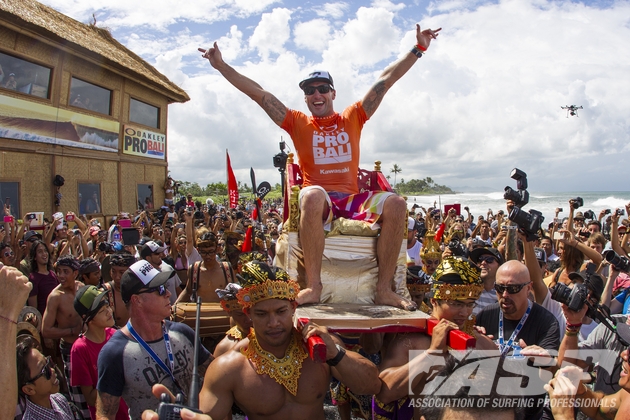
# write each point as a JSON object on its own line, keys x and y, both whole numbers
{"x": 458, "y": 249}
{"x": 110, "y": 247}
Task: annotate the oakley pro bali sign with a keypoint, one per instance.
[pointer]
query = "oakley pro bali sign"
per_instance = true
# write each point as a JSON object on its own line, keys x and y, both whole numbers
{"x": 143, "y": 143}
{"x": 512, "y": 381}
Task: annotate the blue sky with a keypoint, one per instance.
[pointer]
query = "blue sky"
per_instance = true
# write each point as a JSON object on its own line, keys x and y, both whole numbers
{"x": 486, "y": 97}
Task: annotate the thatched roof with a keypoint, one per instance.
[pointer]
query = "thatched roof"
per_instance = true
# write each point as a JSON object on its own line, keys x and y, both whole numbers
{"x": 77, "y": 36}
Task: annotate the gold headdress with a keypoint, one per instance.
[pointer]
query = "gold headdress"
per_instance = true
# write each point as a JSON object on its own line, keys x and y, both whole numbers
{"x": 229, "y": 302}
{"x": 261, "y": 282}
{"x": 456, "y": 278}
{"x": 430, "y": 247}
{"x": 417, "y": 280}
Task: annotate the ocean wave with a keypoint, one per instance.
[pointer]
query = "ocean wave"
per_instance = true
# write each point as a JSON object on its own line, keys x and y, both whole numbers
{"x": 495, "y": 195}
{"x": 610, "y": 202}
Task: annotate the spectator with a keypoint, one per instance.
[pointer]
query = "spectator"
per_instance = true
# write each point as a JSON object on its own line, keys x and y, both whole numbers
{"x": 488, "y": 260}
{"x": 38, "y": 382}
{"x": 43, "y": 278}
{"x": 92, "y": 305}
{"x": 153, "y": 253}
{"x": 128, "y": 367}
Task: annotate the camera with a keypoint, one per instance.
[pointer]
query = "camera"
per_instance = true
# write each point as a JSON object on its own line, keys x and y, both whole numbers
{"x": 620, "y": 212}
{"x": 223, "y": 217}
{"x": 212, "y": 210}
{"x": 576, "y": 203}
{"x": 574, "y": 298}
{"x": 239, "y": 214}
{"x": 110, "y": 247}
{"x": 457, "y": 248}
{"x": 607, "y": 211}
{"x": 620, "y": 262}
{"x": 521, "y": 196}
{"x": 530, "y": 222}
{"x": 31, "y": 216}
{"x": 280, "y": 159}
{"x": 589, "y": 214}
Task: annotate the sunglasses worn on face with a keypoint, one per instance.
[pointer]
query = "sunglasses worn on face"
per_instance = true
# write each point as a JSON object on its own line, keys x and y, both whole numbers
{"x": 207, "y": 251}
{"x": 487, "y": 259}
{"x": 161, "y": 289}
{"x": 310, "y": 90}
{"x": 8, "y": 253}
{"x": 46, "y": 371}
{"x": 512, "y": 289}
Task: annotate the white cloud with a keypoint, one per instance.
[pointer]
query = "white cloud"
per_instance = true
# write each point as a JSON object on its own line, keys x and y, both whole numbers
{"x": 312, "y": 35}
{"x": 332, "y": 10}
{"x": 272, "y": 32}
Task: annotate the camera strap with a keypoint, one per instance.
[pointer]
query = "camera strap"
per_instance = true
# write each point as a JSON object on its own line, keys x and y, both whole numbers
{"x": 505, "y": 348}
{"x": 155, "y": 357}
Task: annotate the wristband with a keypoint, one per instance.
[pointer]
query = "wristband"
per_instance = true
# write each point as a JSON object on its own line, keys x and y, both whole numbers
{"x": 335, "y": 360}
{"x": 415, "y": 51}
{"x": 569, "y": 333}
{"x": 421, "y": 48}
{"x": 576, "y": 326}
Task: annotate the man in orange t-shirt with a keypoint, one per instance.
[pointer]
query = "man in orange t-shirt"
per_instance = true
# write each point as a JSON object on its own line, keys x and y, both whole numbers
{"x": 327, "y": 145}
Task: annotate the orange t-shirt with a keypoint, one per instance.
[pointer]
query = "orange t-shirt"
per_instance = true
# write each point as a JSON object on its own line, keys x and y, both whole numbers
{"x": 328, "y": 148}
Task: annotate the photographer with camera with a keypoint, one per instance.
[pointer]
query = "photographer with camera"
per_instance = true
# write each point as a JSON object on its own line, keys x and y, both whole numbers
{"x": 572, "y": 254}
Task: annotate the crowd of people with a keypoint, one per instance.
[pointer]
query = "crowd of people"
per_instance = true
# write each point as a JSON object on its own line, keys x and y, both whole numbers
{"x": 535, "y": 302}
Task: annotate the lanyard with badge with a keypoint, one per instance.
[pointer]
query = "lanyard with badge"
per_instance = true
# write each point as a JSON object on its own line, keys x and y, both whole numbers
{"x": 505, "y": 348}
{"x": 155, "y": 357}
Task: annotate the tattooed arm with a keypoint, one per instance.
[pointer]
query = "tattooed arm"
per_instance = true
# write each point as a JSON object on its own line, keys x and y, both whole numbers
{"x": 106, "y": 406}
{"x": 395, "y": 71}
{"x": 269, "y": 103}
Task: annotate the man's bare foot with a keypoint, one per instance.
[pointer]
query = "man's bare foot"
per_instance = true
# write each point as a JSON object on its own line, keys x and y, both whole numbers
{"x": 310, "y": 294}
{"x": 388, "y": 297}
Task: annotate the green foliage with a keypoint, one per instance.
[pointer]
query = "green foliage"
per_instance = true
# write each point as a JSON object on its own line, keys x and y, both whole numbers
{"x": 422, "y": 187}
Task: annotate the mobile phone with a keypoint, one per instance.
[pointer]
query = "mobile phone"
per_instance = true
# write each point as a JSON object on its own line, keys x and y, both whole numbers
{"x": 124, "y": 223}
{"x": 31, "y": 216}
{"x": 69, "y": 217}
{"x": 8, "y": 219}
{"x": 94, "y": 222}
{"x": 557, "y": 236}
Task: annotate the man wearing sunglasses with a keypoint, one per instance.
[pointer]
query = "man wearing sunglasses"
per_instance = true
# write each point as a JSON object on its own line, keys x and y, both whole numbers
{"x": 488, "y": 260}
{"x": 327, "y": 145}
{"x": 147, "y": 350}
{"x": 38, "y": 382}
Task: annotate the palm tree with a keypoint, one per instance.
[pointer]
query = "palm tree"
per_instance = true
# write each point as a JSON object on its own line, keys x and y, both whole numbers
{"x": 395, "y": 170}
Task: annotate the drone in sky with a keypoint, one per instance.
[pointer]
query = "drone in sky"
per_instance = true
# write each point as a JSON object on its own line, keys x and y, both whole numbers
{"x": 572, "y": 110}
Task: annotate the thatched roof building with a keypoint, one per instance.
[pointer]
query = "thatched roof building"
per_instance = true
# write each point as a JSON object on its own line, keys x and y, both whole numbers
{"x": 87, "y": 41}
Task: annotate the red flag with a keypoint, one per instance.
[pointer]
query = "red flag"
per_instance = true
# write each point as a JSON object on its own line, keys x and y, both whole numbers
{"x": 231, "y": 184}
{"x": 247, "y": 243}
{"x": 255, "y": 213}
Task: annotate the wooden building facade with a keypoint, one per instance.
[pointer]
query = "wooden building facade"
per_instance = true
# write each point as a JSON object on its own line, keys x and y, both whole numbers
{"x": 75, "y": 102}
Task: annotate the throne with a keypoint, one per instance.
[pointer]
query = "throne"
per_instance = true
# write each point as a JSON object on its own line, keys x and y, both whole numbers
{"x": 349, "y": 267}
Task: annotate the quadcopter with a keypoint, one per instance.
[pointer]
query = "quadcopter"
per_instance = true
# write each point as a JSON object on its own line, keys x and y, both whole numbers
{"x": 572, "y": 110}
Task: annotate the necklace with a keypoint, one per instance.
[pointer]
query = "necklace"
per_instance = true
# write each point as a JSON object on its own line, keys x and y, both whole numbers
{"x": 285, "y": 371}
{"x": 235, "y": 332}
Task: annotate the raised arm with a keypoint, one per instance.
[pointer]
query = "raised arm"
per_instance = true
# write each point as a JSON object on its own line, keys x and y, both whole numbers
{"x": 395, "y": 71}
{"x": 269, "y": 103}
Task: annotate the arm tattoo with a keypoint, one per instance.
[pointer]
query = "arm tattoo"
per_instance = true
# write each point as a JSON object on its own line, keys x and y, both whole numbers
{"x": 374, "y": 97}
{"x": 606, "y": 416}
{"x": 107, "y": 405}
{"x": 274, "y": 108}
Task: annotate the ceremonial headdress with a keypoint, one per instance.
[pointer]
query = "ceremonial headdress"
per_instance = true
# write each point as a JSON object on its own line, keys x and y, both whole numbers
{"x": 262, "y": 282}
{"x": 430, "y": 247}
{"x": 417, "y": 280}
{"x": 456, "y": 278}
{"x": 229, "y": 302}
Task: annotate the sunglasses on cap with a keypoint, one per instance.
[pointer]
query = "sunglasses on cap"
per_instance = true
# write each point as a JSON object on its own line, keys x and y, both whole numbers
{"x": 46, "y": 371}
{"x": 310, "y": 90}
{"x": 512, "y": 289}
{"x": 161, "y": 289}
